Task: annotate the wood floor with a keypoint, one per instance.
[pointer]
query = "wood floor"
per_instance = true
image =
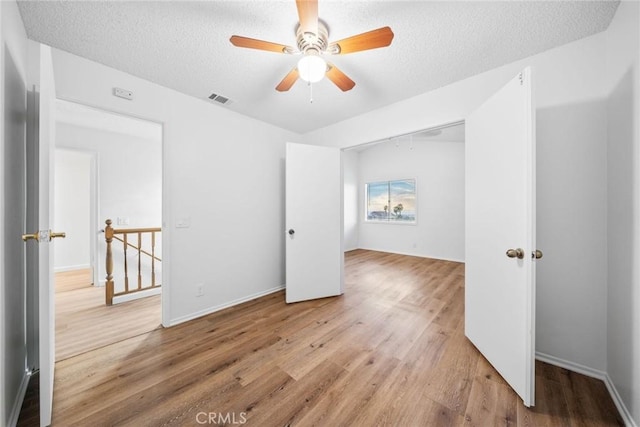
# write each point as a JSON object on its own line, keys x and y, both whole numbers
{"x": 84, "y": 322}
{"x": 390, "y": 351}
{"x": 72, "y": 280}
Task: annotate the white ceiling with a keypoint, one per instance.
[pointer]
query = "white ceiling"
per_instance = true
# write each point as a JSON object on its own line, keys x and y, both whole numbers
{"x": 185, "y": 46}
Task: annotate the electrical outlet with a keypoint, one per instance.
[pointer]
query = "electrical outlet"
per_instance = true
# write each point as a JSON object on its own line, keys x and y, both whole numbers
{"x": 123, "y": 93}
{"x": 199, "y": 290}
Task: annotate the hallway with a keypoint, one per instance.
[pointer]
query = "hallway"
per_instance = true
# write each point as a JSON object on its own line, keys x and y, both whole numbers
{"x": 84, "y": 322}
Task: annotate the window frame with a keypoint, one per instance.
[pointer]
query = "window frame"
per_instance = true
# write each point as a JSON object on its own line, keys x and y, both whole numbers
{"x": 366, "y": 220}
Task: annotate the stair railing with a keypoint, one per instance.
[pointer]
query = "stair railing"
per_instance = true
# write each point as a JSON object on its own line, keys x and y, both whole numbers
{"x": 127, "y": 236}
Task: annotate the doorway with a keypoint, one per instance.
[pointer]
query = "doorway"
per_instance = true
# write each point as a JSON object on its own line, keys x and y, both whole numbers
{"x": 74, "y": 203}
{"x": 433, "y": 160}
{"x": 108, "y": 166}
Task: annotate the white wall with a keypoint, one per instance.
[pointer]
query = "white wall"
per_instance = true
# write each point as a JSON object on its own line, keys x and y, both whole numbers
{"x": 129, "y": 173}
{"x": 72, "y": 209}
{"x": 13, "y": 109}
{"x": 571, "y": 129}
{"x": 351, "y": 209}
{"x": 129, "y": 184}
{"x": 438, "y": 167}
{"x": 623, "y": 112}
{"x": 222, "y": 171}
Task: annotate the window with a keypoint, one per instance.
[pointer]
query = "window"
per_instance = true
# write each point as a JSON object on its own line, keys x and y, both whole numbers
{"x": 391, "y": 201}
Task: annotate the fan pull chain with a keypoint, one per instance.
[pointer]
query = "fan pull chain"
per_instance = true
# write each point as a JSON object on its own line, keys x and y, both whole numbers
{"x": 310, "y": 93}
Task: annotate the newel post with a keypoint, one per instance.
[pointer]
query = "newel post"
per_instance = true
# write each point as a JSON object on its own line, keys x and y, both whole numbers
{"x": 108, "y": 236}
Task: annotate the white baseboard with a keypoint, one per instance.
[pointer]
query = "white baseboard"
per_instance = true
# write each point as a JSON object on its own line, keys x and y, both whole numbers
{"x": 17, "y": 404}
{"x": 136, "y": 295}
{"x": 571, "y": 366}
{"x": 593, "y": 373}
{"x": 210, "y": 310}
{"x": 71, "y": 268}
{"x": 622, "y": 408}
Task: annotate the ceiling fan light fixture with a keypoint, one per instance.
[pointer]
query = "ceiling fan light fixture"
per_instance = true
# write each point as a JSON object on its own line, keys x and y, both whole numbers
{"x": 312, "y": 68}
{"x": 312, "y": 42}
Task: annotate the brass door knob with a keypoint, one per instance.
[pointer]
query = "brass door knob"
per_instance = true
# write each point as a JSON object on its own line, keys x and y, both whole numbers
{"x": 515, "y": 253}
{"x": 45, "y": 235}
{"x": 34, "y": 236}
{"x": 537, "y": 254}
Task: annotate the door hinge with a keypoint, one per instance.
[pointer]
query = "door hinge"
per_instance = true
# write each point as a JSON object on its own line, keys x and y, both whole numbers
{"x": 521, "y": 77}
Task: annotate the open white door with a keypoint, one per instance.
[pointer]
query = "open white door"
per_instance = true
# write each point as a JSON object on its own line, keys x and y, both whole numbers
{"x": 40, "y": 143}
{"x": 500, "y": 216}
{"x": 314, "y": 254}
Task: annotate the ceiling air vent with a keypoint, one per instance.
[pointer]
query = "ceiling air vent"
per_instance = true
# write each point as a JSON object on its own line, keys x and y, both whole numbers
{"x": 219, "y": 98}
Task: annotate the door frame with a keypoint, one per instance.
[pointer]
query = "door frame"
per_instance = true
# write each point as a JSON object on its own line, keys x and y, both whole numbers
{"x": 400, "y": 135}
{"x": 94, "y": 197}
{"x": 94, "y": 208}
{"x": 165, "y": 295}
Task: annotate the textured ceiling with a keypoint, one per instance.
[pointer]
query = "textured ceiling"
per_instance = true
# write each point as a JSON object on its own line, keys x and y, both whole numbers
{"x": 185, "y": 46}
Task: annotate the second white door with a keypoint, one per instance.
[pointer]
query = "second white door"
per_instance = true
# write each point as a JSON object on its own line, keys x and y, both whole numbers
{"x": 314, "y": 252}
{"x": 500, "y": 233}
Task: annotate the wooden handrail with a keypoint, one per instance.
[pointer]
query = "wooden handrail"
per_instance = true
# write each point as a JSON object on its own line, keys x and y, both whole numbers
{"x": 110, "y": 234}
{"x": 135, "y": 230}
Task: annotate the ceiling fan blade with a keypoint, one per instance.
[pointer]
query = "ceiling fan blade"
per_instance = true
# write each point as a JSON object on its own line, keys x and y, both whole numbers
{"x": 308, "y": 15}
{"x": 288, "y": 80}
{"x": 247, "y": 42}
{"x": 370, "y": 40}
{"x": 339, "y": 78}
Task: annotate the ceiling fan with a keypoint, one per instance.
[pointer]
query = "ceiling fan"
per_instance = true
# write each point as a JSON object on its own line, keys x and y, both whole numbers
{"x": 312, "y": 43}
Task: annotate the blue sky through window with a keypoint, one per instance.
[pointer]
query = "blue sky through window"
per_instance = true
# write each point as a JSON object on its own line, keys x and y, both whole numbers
{"x": 392, "y": 201}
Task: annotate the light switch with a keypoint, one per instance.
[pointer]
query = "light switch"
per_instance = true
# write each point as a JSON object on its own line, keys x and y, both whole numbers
{"x": 183, "y": 223}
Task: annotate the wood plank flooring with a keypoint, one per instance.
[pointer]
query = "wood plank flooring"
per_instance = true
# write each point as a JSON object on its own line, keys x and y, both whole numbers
{"x": 84, "y": 322}
{"x": 72, "y": 280}
{"x": 390, "y": 351}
